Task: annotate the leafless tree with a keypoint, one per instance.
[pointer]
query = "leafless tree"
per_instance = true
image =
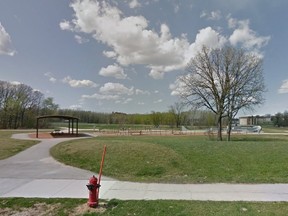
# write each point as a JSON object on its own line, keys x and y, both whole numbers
{"x": 224, "y": 81}
{"x": 245, "y": 82}
{"x": 177, "y": 113}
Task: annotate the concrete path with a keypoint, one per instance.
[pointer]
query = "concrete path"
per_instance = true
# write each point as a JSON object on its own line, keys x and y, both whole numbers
{"x": 34, "y": 173}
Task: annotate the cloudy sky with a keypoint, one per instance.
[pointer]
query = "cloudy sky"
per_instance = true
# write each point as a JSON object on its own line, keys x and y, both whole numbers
{"x": 125, "y": 55}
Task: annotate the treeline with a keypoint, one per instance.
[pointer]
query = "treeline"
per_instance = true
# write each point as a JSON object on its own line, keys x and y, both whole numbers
{"x": 280, "y": 119}
{"x": 20, "y": 105}
{"x": 155, "y": 119}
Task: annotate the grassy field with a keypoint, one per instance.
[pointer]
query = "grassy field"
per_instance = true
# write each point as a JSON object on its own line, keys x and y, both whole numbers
{"x": 177, "y": 159}
{"x": 91, "y": 126}
{"x": 182, "y": 159}
{"x": 9, "y": 146}
{"x": 20, "y": 206}
{"x": 272, "y": 129}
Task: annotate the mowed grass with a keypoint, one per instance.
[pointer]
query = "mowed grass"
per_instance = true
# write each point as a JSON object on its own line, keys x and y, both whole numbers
{"x": 10, "y": 146}
{"x": 182, "y": 159}
{"x": 143, "y": 161}
{"x": 20, "y": 206}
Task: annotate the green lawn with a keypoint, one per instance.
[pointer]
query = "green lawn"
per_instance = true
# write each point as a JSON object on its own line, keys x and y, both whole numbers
{"x": 272, "y": 129}
{"x": 182, "y": 159}
{"x": 90, "y": 126}
{"x": 9, "y": 146}
{"x": 177, "y": 159}
{"x": 139, "y": 208}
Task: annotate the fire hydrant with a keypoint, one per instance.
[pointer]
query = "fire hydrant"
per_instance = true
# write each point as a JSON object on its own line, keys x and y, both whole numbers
{"x": 94, "y": 185}
{"x": 93, "y": 188}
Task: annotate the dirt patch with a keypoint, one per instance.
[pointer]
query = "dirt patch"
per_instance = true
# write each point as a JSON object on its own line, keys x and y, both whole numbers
{"x": 50, "y": 136}
{"x": 41, "y": 209}
{"x": 83, "y": 209}
{"x": 41, "y": 136}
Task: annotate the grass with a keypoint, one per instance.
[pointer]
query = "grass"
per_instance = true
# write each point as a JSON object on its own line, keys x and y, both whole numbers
{"x": 90, "y": 126}
{"x": 9, "y": 146}
{"x": 182, "y": 159}
{"x": 140, "y": 208}
{"x": 273, "y": 129}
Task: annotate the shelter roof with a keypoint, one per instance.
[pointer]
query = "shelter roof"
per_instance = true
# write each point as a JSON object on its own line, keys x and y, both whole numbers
{"x": 58, "y": 116}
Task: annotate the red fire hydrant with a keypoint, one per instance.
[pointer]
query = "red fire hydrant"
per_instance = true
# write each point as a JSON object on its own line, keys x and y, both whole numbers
{"x": 94, "y": 185}
{"x": 93, "y": 188}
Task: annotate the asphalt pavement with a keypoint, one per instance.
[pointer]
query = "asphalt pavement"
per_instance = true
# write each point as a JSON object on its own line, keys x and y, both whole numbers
{"x": 34, "y": 173}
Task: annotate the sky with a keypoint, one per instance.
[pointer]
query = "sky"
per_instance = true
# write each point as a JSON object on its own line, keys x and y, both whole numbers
{"x": 125, "y": 55}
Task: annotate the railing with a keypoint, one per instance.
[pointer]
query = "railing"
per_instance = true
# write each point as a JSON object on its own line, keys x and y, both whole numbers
{"x": 148, "y": 132}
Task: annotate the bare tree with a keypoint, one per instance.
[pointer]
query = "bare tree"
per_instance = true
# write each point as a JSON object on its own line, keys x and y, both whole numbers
{"x": 176, "y": 111}
{"x": 245, "y": 82}
{"x": 223, "y": 81}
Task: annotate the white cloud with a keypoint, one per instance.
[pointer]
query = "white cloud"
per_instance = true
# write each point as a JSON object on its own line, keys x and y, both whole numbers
{"x": 80, "y": 39}
{"x": 16, "y": 83}
{"x": 141, "y": 92}
{"x": 116, "y": 89}
{"x": 284, "y": 87}
{"x": 126, "y": 101}
{"x": 79, "y": 83}
{"x": 208, "y": 37}
{"x": 101, "y": 97}
{"x": 174, "y": 88}
{"x": 178, "y": 86}
{"x": 112, "y": 91}
{"x": 156, "y": 74}
{"x": 245, "y": 36}
{"x": 50, "y": 76}
{"x": 134, "y": 4}
{"x": 65, "y": 25}
{"x": 132, "y": 42}
{"x": 110, "y": 54}
{"x": 213, "y": 15}
{"x": 5, "y": 42}
{"x": 113, "y": 71}
{"x": 232, "y": 23}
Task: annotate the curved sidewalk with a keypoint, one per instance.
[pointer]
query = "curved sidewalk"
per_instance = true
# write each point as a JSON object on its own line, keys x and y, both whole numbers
{"x": 34, "y": 173}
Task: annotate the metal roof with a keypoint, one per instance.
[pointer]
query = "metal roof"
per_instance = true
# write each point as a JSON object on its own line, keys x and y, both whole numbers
{"x": 58, "y": 116}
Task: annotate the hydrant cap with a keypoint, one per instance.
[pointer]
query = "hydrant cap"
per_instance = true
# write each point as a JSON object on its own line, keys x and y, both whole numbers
{"x": 93, "y": 180}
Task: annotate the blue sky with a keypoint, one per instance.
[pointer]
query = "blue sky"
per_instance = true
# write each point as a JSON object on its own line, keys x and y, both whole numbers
{"x": 125, "y": 55}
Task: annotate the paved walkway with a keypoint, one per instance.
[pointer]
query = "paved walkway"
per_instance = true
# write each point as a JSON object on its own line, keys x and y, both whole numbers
{"x": 34, "y": 173}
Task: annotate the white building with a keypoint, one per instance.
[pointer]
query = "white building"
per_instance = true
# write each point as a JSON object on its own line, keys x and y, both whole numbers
{"x": 254, "y": 120}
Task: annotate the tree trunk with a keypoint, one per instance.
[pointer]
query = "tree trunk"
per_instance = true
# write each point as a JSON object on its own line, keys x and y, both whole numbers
{"x": 229, "y": 128}
{"x": 219, "y": 133}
